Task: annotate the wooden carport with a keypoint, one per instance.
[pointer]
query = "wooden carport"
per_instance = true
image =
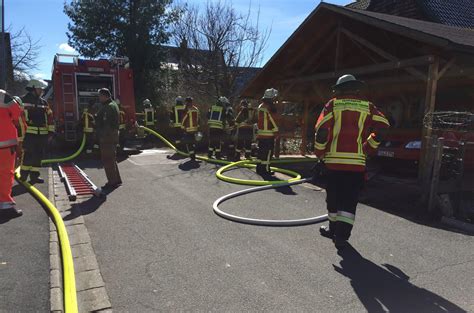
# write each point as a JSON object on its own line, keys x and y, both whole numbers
{"x": 396, "y": 56}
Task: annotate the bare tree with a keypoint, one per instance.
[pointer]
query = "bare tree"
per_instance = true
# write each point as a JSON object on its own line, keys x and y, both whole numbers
{"x": 25, "y": 52}
{"x": 217, "y": 45}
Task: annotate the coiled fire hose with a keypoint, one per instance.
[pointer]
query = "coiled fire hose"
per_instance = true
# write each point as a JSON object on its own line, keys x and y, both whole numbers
{"x": 263, "y": 185}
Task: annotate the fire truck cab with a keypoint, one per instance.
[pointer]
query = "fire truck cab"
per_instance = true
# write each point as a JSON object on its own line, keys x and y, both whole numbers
{"x": 75, "y": 83}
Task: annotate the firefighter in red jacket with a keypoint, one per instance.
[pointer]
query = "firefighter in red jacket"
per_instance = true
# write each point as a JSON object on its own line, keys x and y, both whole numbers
{"x": 267, "y": 131}
{"x": 190, "y": 126}
{"x": 39, "y": 120}
{"x": 348, "y": 130}
{"x": 10, "y": 113}
{"x": 245, "y": 120}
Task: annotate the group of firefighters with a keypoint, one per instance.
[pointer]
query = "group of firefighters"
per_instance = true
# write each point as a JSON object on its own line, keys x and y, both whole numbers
{"x": 348, "y": 129}
{"x": 229, "y": 134}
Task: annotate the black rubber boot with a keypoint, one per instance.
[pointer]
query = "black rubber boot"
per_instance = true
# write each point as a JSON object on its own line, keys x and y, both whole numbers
{"x": 261, "y": 169}
{"x": 11, "y": 213}
{"x": 325, "y": 231}
{"x": 24, "y": 175}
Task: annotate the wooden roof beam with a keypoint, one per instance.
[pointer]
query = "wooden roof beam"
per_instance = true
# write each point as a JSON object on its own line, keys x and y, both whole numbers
{"x": 369, "y": 69}
{"x": 446, "y": 67}
{"x": 381, "y": 52}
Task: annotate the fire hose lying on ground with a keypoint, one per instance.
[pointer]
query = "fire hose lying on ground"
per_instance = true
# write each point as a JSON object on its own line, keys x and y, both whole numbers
{"x": 70, "y": 297}
{"x": 69, "y": 279}
{"x": 263, "y": 185}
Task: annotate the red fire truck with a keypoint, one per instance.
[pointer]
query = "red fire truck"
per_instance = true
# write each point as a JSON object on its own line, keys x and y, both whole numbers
{"x": 75, "y": 83}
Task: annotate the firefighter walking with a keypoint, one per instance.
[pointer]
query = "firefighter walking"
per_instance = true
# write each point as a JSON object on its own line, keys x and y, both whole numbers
{"x": 245, "y": 120}
{"x": 190, "y": 127}
{"x": 39, "y": 122}
{"x": 343, "y": 141}
{"x": 107, "y": 126}
{"x": 216, "y": 119}
{"x": 10, "y": 113}
{"x": 267, "y": 131}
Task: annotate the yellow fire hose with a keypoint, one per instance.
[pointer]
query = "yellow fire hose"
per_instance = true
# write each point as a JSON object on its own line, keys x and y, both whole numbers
{"x": 70, "y": 297}
{"x": 69, "y": 280}
{"x": 245, "y": 163}
{"x": 263, "y": 185}
{"x": 68, "y": 158}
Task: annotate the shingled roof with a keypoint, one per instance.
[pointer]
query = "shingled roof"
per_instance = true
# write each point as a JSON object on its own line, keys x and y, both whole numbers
{"x": 431, "y": 36}
{"x": 454, "y": 35}
{"x": 458, "y": 13}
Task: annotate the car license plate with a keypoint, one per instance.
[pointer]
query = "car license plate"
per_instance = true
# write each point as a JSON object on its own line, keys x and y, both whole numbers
{"x": 389, "y": 154}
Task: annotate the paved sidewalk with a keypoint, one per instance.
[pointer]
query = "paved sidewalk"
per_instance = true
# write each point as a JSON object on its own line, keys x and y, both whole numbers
{"x": 24, "y": 255}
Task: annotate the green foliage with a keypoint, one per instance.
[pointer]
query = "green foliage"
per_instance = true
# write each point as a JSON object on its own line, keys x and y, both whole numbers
{"x": 131, "y": 28}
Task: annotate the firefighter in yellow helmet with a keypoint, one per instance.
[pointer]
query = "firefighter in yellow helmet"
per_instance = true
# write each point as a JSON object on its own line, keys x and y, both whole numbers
{"x": 267, "y": 130}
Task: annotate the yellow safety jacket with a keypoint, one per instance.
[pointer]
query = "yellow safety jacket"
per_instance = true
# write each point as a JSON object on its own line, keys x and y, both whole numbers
{"x": 149, "y": 116}
{"x": 88, "y": 120}
{"x": 267, "y": 127}
{"x": 177, "y": 115}
{"x": 215, "y": 117}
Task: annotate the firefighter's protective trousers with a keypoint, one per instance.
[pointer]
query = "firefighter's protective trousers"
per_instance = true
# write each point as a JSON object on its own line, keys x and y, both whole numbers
{"x": 244, "y": 141}
{"x": 342, "y": 196}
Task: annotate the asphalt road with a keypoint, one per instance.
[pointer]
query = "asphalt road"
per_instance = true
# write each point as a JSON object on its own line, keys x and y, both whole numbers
{"x": 161, "y": 248}
{"x": 24, "y": 255}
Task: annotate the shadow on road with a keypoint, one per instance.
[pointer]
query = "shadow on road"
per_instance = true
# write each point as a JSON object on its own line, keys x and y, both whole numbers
{"x": 84, "y": 208}
{"x": 18, "y": 190}
{"x": 175, "y": 157}
{"x": 189, "y": 165}
{"x": 388, "y": 289}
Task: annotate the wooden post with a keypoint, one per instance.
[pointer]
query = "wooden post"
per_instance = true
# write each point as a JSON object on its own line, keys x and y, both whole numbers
{"x": 430, "y": 101}
{"x": 433, "y": 190}
{"x": 304, "y": 128}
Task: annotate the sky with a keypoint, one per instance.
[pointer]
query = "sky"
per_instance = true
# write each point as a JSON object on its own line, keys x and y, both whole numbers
{"x": 45, "y": 20}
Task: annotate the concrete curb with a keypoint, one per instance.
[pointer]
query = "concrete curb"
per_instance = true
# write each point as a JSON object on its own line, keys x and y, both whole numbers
{"x": 55, "y": 268}
{"x": 91, "y": 293}
{"x": 467, "y": 227}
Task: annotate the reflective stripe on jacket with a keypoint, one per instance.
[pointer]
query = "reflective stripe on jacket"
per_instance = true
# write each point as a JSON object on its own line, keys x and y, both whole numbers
{"x": 38, "y": 115}
{"x": 149, "y": 117}
{"x": 267, "y": 127}
{"x": 348, "y": 141}
{"x": 245, "y": 118}
{"x": 88, "y": 120}
{"x": 191, "y": 120}
{"x": 216, "y": 117}
{"x": 177, "y": 115}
